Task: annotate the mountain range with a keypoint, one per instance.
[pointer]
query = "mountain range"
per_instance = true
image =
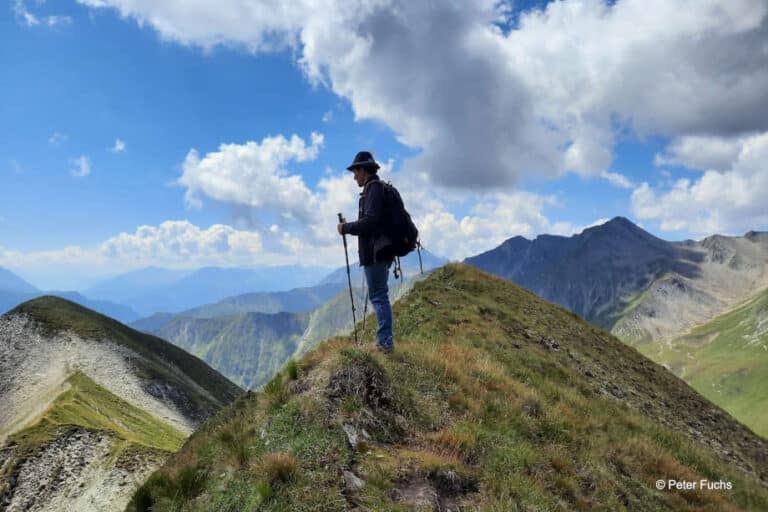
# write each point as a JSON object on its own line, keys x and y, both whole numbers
{"x": 14, "y": 290}
{"x": 90, "y": 407}
{"x": 152, "y": 290}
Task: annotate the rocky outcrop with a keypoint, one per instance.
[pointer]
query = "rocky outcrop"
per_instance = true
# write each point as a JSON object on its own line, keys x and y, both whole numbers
{"x": 76, "y": 471}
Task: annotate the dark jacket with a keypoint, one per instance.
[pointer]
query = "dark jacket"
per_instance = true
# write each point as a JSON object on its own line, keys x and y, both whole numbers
{"x": 369, "y": 227}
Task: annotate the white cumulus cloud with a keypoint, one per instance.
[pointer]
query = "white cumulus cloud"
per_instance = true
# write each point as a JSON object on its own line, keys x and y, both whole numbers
{"x": 730, "y": 201}
{"x": 702, "y": 152}
{"x": 253, "y": 174}
{"x": 181, "y": 243}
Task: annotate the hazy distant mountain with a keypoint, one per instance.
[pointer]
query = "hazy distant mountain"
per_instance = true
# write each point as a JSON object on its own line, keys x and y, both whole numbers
{"x": 153, "y": 323}
{"x": 10, "y": 282}
{"x": 291, "y": 301}
{"x": 249, "y": 347}
{"x": 126, "y": 286}
{"x": 335, "y": 316}
{"x": 9, "y": 299}
{"x": 159, "y": 290}
{"x": 409, "y": 264}
{"x": 91, "y": 407}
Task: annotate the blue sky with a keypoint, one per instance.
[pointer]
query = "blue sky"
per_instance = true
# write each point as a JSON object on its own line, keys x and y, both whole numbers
{"x": 114, "y": 113}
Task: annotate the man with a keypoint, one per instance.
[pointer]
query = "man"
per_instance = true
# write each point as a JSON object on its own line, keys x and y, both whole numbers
{"x": 368, "y": 228}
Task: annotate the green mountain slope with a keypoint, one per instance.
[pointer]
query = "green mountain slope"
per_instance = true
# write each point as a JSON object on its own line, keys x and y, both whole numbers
{"x": 247, "y": 348}
{"x": 494, "y": 400}
{"x": 726, "y": 360}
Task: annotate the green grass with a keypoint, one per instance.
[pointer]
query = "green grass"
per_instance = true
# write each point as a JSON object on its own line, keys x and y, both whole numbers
{"x": 718, "y": 360}
{"x": 89, "y": 405}
{"x": 472, "y": 402}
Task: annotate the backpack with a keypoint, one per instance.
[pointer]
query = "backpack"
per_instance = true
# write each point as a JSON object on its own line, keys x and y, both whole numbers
{"x": 402, "y": 236}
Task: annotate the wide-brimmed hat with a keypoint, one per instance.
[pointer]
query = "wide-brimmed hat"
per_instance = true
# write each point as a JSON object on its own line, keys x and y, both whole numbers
{"x": 363, "y": 159}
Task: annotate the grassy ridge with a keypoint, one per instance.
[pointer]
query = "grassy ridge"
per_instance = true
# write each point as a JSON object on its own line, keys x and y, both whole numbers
{"x": 494, "y": 400}
{"x": 726, "y": 360}
{"x": 57, "y": 314}
{"x": 86, "y": 404}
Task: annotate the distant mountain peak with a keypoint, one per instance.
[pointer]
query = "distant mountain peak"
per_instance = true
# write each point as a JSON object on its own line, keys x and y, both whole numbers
{"x": 619, "y": 222}
{"x": 10, "y": 282}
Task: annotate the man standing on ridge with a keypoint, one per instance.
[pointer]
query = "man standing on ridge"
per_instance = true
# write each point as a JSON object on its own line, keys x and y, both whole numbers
{"x": 368, "y": 228}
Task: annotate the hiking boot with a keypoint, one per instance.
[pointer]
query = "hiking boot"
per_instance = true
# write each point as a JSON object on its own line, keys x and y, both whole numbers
{"x": 386, "y": 350}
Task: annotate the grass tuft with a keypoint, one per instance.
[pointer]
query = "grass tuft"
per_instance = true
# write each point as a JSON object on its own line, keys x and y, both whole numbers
{"x": 278, "y": 467}
{"x": 276, "y": 392}
{"x": 292, "y": 369}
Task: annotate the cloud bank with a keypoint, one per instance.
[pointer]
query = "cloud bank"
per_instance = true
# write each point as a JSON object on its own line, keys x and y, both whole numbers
{"x": 487, "y": 104}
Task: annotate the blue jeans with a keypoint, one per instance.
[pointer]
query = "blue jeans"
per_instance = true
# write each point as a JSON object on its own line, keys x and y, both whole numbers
{"x": 376, "y": 276}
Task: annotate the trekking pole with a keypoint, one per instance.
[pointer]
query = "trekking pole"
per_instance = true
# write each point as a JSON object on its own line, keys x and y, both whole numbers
{"x": 349, "y": 280}
{"x": 418, "y": 249}
{"x": 365, "y": 305}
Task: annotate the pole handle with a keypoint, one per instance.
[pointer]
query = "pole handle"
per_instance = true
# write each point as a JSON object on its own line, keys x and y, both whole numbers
{"x": 341, "y": 218}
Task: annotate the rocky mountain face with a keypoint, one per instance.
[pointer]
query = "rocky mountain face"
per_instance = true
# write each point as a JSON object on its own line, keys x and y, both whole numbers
{"x": 493, "y": 400}
{"x": 89, "y": 407}
{"x": 729, "y": 271}
{"x": 595, "y": 273}
{"x": 622, "y": 278}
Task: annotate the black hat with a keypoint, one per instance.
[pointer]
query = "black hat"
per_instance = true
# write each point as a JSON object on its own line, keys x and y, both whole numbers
{"x": 363, "y": 159}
